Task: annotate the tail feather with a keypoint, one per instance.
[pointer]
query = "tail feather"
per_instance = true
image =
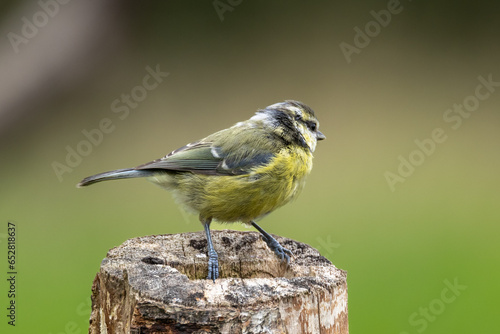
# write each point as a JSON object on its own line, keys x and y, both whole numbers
{"x": 114, "y": 175}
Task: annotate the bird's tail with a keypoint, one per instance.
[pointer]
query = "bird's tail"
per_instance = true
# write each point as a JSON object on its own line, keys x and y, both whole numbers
{"x": 114, "y": 175}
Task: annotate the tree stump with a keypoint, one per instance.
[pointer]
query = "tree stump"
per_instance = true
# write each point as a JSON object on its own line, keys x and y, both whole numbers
{"x": 156, "y": 284}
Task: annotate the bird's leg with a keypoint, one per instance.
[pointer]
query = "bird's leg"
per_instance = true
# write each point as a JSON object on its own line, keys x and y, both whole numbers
{"x": 281, "y": 252}
{"x": 213, "y": 258}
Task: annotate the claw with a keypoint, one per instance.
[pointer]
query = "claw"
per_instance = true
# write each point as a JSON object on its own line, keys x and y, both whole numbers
{"x": 281, "y": 252}
{"x": 213, "y": 258}
{"x": 213, "y": 266}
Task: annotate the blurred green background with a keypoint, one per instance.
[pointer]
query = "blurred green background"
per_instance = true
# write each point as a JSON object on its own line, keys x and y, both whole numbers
{"x": 402, "y": 245}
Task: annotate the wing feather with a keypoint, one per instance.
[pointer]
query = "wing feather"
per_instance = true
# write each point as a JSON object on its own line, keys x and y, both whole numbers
{"x": 211, "y": 156}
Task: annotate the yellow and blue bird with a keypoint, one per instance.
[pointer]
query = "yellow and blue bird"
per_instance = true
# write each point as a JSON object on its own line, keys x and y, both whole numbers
{"x": 239, "y": 174}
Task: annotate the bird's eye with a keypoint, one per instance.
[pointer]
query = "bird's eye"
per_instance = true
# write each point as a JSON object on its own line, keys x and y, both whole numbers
{"x": 298, "y": 117}
{"x": 312, "y": 125}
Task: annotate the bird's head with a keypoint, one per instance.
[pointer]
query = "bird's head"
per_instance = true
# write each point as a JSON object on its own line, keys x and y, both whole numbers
{"x": 293, "y": 121}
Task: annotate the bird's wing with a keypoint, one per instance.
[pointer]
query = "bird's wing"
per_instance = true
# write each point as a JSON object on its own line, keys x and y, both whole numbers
{"x": 212, "y": 156}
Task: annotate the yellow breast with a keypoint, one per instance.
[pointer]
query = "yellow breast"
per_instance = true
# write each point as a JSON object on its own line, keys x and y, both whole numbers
{"x": 245, "y": 197}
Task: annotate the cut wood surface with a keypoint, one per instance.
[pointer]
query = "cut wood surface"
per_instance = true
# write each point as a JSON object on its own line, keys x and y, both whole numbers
{"x": 156, "y": 284}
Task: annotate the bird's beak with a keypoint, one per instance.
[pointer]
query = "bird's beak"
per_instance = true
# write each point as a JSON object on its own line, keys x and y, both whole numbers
{"x": 320, "y": 136}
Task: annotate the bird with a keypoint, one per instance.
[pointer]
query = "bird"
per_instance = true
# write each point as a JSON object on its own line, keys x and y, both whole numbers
{"x": 239, "y": 174}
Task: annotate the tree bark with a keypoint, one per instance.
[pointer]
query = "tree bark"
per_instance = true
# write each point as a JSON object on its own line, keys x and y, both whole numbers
{"x": 156, "y": 284}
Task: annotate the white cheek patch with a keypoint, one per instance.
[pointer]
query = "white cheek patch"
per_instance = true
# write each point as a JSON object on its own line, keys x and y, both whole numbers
{"x": 313, "y": 145}
{"x": 310, "y": 138}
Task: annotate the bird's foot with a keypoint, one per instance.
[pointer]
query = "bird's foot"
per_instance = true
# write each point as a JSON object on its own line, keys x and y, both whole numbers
{"x": 281, "y": 252}
{"x": 213, "y": 265}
